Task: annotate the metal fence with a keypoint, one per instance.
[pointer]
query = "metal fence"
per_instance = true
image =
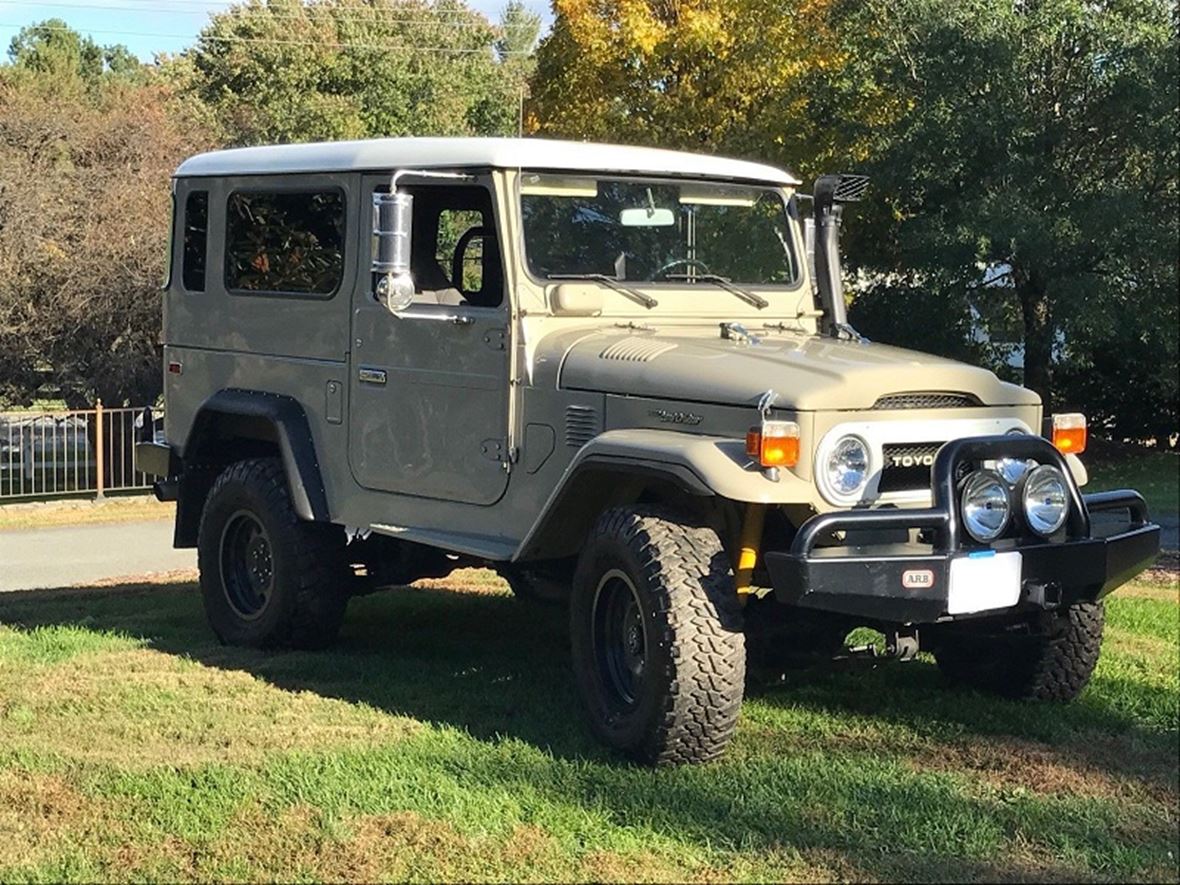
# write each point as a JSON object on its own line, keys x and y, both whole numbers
{"x": 59, "y": 454}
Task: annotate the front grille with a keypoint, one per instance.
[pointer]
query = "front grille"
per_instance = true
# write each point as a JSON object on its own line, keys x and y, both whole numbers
{"x": 930, "y": 400}
{"x": 906, "y": 466}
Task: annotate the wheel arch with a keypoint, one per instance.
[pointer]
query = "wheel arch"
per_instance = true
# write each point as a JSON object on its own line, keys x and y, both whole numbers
{"x": 233, "y": 424}
{"x": 599, "y": 482}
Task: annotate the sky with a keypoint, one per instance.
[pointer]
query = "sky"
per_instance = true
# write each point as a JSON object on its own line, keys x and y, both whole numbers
{"x": 150, "y": 26}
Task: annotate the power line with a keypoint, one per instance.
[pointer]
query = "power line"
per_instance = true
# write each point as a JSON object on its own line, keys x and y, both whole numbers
{"x": 383, "y": 47}
{"x": 372, "y": 13}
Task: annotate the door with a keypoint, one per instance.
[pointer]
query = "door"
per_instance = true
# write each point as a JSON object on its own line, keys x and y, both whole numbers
{"x": 428, "y": 405}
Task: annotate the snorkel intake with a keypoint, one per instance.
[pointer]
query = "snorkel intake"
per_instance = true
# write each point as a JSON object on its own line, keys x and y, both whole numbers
{"x": 831, "y": 193}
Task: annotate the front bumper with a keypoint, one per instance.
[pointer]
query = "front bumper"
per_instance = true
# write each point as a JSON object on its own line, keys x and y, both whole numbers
{"x": 911, "y": 582}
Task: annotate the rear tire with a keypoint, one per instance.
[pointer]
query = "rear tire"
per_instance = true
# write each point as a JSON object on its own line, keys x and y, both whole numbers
{"x": 656, "y": 628}
{"x": 268, "y": 578}
{"x": 1052, "y": 663}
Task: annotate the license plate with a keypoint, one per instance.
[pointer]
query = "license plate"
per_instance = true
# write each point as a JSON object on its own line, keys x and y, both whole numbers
{"x": 983, "y": 581}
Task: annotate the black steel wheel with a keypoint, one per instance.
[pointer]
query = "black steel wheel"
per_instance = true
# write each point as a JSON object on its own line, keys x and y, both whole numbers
{"x": 247, "y": 565}
{"x": 620, "y": 638}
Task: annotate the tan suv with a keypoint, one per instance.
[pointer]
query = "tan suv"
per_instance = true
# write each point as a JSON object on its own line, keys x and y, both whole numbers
{"x": 624, "y": 379}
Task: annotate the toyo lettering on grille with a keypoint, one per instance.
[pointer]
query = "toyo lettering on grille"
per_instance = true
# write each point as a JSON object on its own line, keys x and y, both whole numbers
{"x": 906, "y": 466}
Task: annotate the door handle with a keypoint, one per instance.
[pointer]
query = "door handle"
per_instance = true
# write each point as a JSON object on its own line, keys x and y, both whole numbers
{"x": 452, "y": 318}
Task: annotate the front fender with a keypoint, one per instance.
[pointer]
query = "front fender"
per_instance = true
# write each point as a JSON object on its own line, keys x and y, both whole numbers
{"x": 606, "y": 471}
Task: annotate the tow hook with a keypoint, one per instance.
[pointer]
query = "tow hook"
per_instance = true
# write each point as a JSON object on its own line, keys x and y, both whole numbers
{"x": 901, "y": 645}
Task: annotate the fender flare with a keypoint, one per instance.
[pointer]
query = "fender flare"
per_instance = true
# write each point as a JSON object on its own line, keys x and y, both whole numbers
{"x": 697, "y": 466}
{"x": 291, "y": 433}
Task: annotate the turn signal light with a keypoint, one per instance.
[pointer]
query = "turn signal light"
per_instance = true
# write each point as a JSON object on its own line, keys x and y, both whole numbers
{"x": 1069, "y": 433}
{"x": 774, "y": 443}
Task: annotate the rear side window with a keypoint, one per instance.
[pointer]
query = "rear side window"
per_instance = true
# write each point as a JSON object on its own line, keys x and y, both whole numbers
{"x": 285, "y": 242}
{"x": 196, "y": 237}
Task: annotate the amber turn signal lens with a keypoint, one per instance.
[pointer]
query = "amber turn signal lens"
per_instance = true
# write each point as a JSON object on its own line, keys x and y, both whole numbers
{"x": 774, "y": 443}
{"x": 1069, "y": 433}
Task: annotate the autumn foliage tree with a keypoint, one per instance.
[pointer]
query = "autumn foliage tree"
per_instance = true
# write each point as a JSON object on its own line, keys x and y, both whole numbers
{"x": 86, "y": 151}
{"x": 89, "y": 138}
{"x": 1024, "y": 160}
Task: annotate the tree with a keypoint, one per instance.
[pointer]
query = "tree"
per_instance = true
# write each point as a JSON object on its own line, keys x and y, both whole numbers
{"x": 1037, "y": 152}
{"x": 1023, "y": 157}
{"x": 695, "y": 74}
{"x": 84, "y": 204}
{"x": 294, "y": 71}
{"x": 53, "y": 49}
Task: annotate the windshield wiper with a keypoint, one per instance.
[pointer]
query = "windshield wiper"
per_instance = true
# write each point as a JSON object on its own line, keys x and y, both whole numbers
{"x": 747, "y": 296}
{"x": 611, "y": 283}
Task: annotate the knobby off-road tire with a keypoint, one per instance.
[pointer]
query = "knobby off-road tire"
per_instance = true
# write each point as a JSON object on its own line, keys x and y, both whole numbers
{"x": 656, "y": 635}
{"x": 268, "y": 578}
{"x": 1054, "y": 663}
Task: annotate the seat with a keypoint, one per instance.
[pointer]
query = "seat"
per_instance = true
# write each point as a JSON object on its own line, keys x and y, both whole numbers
{"x": 490, "y": 292}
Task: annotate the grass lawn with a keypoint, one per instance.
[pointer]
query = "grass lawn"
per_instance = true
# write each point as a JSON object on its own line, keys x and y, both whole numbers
{"x": 1155, "y": 475}
{"x": 440, "y": 739}
{"x": 43, "y": 514}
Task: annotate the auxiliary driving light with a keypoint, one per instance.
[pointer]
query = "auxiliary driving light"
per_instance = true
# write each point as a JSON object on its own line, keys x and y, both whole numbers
{"x": 1045, "y": 500}
{"x": 774, "y": 443}
{"x": 986, "y": 506}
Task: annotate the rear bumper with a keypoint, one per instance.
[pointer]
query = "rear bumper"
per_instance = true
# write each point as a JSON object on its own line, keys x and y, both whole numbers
{"x": 911, "y": 582}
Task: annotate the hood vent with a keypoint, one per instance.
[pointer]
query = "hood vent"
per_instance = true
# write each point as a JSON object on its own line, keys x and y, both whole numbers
{"x": 636, "y": 350}
{"x": 582, "y": 424}
{"x": 929, "y": 400}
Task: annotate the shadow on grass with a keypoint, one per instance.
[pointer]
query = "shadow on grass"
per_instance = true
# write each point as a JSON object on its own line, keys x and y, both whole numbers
{"x": 494, "y": 668}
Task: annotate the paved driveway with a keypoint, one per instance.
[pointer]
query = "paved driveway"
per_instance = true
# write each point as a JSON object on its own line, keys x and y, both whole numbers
{"x": 66, "y": 555}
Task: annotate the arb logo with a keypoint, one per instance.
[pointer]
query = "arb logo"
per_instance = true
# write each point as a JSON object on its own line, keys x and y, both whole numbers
{"x": 917, "y": 579}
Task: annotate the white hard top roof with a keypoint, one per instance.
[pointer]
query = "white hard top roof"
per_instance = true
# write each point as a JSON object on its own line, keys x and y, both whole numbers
{"x": 513, "y": 153}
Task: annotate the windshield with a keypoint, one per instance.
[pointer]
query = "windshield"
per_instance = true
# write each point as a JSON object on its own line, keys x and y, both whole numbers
{"x": 655, "y": 230}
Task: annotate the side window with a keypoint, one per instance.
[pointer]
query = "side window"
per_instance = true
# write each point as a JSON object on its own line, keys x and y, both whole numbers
{"x": 285, "y": 242}
{"x": 196, "y": 238}
{"x": 454, "y": 256}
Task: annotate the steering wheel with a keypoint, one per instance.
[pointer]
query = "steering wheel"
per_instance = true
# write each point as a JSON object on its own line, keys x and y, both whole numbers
{"x": 662, "y": 273}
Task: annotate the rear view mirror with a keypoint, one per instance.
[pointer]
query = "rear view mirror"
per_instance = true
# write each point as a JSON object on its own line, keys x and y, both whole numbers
{"x": 647, "y": 217}
{"x": 393, "y": 215}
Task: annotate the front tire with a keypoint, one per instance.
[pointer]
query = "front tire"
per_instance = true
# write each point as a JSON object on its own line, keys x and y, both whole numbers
{"x": 657, "y": 643}
{"x": 268, "y": 578}
{"x": 1053, "y": 662}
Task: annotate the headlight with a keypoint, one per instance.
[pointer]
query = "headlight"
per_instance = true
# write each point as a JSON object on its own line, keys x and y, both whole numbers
{"x": 847, "y": 466}
{"x": 986, "y": 507}
{"x": 1045, "y": 500}
{"x": 1014, "y": 468}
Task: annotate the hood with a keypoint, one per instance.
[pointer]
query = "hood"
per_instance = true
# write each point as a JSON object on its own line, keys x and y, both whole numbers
{"x": 809, "y": 373}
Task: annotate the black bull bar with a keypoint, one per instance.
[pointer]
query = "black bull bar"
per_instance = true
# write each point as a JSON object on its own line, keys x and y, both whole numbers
{"x": 871, "y": 581}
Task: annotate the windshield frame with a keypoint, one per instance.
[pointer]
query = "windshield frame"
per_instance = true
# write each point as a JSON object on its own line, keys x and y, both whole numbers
{"x": 784, "y": 194}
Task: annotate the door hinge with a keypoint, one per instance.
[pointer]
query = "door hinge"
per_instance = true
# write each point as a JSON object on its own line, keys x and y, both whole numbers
{"x": 494, "y": 338}
{"x": 497, "y": 450}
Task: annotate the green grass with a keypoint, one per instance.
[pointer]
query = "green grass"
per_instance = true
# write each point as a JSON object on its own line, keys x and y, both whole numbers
{"x": 1154, "y": 474}
{"x": 114, "y": 508}
{"x": 441, "y": 740}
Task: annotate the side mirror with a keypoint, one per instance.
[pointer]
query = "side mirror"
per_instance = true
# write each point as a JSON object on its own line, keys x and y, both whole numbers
{"x": 393, "y": 215}
{"x": 570, "y": 300}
